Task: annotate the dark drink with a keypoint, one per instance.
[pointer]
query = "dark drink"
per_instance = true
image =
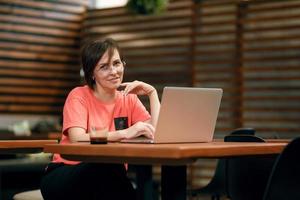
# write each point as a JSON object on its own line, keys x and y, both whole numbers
{"x": 98, "y": 140}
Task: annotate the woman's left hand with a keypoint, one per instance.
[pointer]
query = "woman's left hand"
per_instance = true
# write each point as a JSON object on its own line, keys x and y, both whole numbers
{"x": 137, "y": 87}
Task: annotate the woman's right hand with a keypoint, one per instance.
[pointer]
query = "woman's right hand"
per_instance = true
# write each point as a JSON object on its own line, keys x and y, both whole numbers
{"x": 138, "y": 129}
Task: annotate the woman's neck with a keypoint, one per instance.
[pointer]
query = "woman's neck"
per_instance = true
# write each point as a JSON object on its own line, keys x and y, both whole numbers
{"x": 106, "y": 96}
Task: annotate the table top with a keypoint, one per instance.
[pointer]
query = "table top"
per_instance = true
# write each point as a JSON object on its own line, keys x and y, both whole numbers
{"x": 33, "y": 136}
{"x": 23, "y": 146}
{"x": 182, "y": 153}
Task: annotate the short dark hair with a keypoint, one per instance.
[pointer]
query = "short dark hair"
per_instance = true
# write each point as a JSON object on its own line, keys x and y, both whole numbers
{"x": 92, "y": 52}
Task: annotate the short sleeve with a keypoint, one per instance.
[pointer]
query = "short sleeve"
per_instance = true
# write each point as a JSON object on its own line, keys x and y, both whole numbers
{"x": 139, "y": 112}
{"x": 75, "y": 114}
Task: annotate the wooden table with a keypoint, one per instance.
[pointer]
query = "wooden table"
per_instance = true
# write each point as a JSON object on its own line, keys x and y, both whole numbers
{"x": 23, "y": 146}
{"x": 33, "y": 136}
{"x": 172, "y": 157}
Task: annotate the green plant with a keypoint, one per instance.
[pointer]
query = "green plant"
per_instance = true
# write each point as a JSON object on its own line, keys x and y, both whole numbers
{"x": 146, "y": 7}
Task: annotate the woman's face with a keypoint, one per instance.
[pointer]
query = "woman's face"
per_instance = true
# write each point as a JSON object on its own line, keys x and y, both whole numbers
{"x": 108, "y": 73}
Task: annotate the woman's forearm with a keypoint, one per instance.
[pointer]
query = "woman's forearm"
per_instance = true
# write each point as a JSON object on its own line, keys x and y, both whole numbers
{"x": 78, "y": 134}
{"x": 154, "y": 107}
{"x": 116, "y": 135}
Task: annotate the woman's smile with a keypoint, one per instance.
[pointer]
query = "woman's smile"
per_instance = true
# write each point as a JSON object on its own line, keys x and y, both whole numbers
{"x": 114, "y": 80}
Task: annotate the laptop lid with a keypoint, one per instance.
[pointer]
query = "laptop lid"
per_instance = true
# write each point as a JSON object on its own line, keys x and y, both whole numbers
{"x": 188, "y": 114}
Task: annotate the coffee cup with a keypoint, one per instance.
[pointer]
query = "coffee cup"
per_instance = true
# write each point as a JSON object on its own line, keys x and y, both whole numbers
{"x": 98, "y": 136}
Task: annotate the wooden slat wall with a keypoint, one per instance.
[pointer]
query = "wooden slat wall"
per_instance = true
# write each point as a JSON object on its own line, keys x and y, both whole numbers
{"x": 215, "y": 58}
{"x": 39, "y": 46}
{"x": 215, "y": 65}
{"x": 271, "y": 67}
{"x": 251, "y": 50}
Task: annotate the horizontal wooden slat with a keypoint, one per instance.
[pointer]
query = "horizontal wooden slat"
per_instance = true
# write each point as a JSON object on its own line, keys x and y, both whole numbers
{"x": 271, "y": 98}
{"x": 35, "y": 91}
{"x": 4, "y": 81}
{"x": 37, "y": 56}
{"x": 155, "y": 44}
{"x": 38, "y": 74}
{"x": 159, "y": 81}
{"x": 162, "y": 34}
{"x": 12, "y": 99}
{"x": 216, "y": 23}
{"x": 270, "y": 18}
{"x": 261, "y": 68}
{"x": 224, "y": 30}
{"x": 157, "y": 64}
{"x": 9, "y": 9}
{"x": 38, "y": 39}
{"x": 39, "y": 22}
{"x": 130, "y": 19}
{"x": 51, "y": 50}
{"x": 281, "y": 38}
{"x": 144, "y": 27}
{"x": 214, "y": 3}
{"x": 285, "y": 109}
{"x": 271, "y": 58}
{"x": 135, "y": 56}
{"x": 23, "y": 64}
{"x": 42, "y": 5}
{"x": 227, "y": 41}
{"x": 38, "y": 30}
{"x": 76, "y": 2}
{"x": 279, "y": 78}
{"x": 220, "y": 69}
{"x": 263, "y": 6}
{"x": 29, "y": 109}
{"x": 223, "y": 61}
{"x": 263, "y": 28}
{"x": 266, "y": 49}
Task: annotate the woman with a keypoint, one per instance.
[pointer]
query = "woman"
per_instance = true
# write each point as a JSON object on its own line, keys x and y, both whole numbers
{"x": 99, "y": 105}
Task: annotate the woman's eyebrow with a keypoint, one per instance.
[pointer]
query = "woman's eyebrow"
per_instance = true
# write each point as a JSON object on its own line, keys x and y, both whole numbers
{"x": 102, "y": 64}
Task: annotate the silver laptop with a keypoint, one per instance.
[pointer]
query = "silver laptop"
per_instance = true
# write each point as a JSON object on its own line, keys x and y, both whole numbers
{"x": 186, "y": 115}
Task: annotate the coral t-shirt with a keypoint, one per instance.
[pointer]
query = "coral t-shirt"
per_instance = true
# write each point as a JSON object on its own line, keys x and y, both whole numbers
{"x": 82, "y": 109}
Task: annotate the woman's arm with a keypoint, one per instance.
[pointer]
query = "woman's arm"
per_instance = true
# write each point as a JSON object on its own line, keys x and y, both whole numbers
{"x": 141, "y": 128}
{"x": 154, "y": 107}
{"x": 77, "y": 134}
{"x": 141, "y": 88}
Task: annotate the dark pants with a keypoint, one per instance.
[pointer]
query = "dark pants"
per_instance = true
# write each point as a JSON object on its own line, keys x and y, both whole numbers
{"x": 86, "y": 181}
